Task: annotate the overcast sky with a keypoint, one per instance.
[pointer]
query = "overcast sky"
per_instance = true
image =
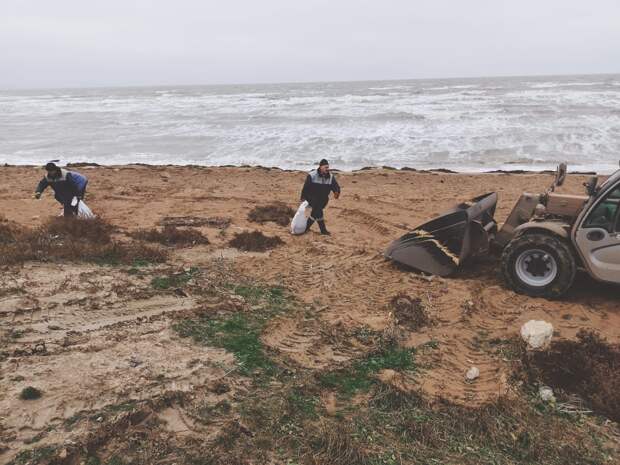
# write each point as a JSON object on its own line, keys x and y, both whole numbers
{"x": 58, "y": 43}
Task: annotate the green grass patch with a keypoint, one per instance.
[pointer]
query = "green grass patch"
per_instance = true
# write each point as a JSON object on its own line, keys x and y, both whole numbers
{"x": 115, "y": 460}
{"x": 33, "y": 456}
{"x": 303, "y": 404}
{"x": 239, "y": 334}
{"x": 359, "y": 376}
{"x": 174, "y": 280}
{"x": 272, "y": 296}
{"x": 70, "y": 422}
{"x": 122, "y": 407}
{"x": 136, "y": 267}
{"x": 208, "y": 414}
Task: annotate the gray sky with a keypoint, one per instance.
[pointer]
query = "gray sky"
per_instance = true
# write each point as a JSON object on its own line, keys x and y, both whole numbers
{"x": 57, "y": 43}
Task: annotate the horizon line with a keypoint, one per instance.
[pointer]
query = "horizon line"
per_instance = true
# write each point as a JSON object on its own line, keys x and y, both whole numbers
{"x": 301, "y": 82}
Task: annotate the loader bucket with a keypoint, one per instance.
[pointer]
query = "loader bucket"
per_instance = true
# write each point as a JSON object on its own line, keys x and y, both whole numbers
{"x": 440, "y": 246}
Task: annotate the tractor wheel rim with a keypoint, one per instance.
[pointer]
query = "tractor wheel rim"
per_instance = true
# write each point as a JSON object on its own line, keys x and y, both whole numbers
{"x": 536, "y": 268}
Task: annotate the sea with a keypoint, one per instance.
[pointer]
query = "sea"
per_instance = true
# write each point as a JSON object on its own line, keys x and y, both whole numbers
{"x": 465, "y": 125}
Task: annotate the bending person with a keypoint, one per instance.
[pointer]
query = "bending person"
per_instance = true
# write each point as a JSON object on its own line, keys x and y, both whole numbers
{"x": 69, "y": 187}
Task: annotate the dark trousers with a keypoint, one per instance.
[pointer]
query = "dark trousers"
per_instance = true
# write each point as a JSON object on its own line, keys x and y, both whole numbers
{"x": 73, "y": 211}
{"x": 317, "y": 213}
{"x": 68, "y": 210}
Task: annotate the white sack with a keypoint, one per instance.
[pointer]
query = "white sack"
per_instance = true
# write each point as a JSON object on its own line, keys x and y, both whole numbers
{"x": 298, "y": 225}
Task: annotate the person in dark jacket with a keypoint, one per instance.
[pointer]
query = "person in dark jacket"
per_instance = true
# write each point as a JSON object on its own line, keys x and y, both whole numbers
{"x": 319, "y": 183}
{"x": 69, "y": 187}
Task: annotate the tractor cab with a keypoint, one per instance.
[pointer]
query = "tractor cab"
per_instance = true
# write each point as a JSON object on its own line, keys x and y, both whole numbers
{"x": 596, "y": 232}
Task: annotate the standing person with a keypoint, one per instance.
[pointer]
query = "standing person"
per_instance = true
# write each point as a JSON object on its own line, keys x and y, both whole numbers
{"x": 319, "y": 183}
{"x": 69, "y": 187}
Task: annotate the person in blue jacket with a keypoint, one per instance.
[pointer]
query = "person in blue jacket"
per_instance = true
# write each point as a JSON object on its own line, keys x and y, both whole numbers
{"x": 319, "y": 184}
{"x": 69, "y": 187}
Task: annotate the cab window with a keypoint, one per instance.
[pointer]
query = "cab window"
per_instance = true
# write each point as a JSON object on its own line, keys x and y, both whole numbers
{"x": 606, "y": 213}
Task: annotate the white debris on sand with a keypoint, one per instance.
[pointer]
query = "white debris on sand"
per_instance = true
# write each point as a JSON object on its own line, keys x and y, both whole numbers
{"x": 472, "y": 373}
{"x": 546, "y": 394}
{"x": 537, "y": 334}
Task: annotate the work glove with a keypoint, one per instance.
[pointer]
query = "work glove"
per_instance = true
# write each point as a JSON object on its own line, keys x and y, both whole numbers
{"x": 74, "y": 201}
{"x": 37, "y": 195}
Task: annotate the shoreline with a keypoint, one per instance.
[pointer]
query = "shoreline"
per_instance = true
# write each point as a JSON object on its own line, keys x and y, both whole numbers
{"x": 336, "y": 170}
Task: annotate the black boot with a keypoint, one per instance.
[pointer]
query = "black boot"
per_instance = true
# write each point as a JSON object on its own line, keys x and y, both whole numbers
{"x": 323, "y": 229}
{"x": 309, "y": 224}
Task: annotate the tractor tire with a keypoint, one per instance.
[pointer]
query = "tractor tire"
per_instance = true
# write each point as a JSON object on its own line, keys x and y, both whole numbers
{"x": 539, "y": 265}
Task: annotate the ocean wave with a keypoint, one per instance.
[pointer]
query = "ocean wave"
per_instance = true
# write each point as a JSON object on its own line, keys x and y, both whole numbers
{"x": 396, "y": 116}
{"x": 458, "y": 87}
{"x": 484, "y": 124}
{"x": 551, "y": 85}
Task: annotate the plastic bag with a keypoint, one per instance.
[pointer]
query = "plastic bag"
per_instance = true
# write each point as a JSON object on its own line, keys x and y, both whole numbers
{"x": 298, "y": 225}
{"x": 84, "y": 212}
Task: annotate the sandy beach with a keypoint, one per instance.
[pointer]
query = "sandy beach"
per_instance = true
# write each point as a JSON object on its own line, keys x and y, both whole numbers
{"x": 93, "y": 336}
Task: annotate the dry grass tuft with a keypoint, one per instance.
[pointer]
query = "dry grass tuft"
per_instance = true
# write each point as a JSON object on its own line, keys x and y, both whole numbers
{"x": 334, "y": 444}
{"x": 409, "y": 311}
{"x": 30, "y": 393}
{"x": 95, "y": 230}
{"x": 255, "y": 241}
{"x": 277, "y": 212}
{"x": 171, "y": 236}
{"x": 218, "y": 222}
{"x": 71, "y": 239}
{"x": 9, "y": 233}
{"x": 509, "y": 430}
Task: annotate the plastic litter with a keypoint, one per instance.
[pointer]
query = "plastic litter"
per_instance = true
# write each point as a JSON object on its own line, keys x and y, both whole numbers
{"x": 537, "y": 334}
{"x": 84, "y": 212}
{"x": 472, "y": 373}
{"x": 546, "y": 394}
{"x": 298, "y": 224}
